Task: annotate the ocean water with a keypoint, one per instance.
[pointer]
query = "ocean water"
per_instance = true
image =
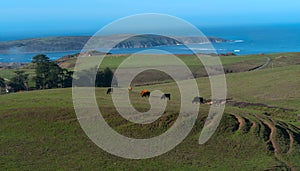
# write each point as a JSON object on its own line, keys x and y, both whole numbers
{"x": 244, "y": 40}
{"x": 258, "y": 39}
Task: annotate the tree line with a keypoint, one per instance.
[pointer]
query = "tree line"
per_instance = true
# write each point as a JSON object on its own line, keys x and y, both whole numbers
{"x": 48, "y": 75}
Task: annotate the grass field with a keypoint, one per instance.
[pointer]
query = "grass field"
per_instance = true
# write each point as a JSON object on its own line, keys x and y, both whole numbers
{"x": 113, "y": 61}
{"x": 258, "y": 131}
{"x": 231, "y": 64}
{"x": 7, "y": 74}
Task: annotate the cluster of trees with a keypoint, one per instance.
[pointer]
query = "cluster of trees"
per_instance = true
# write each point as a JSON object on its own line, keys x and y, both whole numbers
{"x": 95, "y": 77}
{"x": 105, "y": 78}
{"x": 17, "y": 83}
{"x": 48, "y": 74}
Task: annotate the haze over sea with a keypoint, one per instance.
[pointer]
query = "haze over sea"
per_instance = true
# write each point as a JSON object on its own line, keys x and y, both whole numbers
{"x": 253, "y": 39}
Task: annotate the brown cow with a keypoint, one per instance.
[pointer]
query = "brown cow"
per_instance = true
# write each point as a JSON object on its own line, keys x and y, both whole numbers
{"x": 145, "y": 93}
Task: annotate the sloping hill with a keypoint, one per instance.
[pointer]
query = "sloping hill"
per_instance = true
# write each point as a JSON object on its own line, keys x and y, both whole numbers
{"x": 51, "y": 44}
{"x": 258, "y": 131}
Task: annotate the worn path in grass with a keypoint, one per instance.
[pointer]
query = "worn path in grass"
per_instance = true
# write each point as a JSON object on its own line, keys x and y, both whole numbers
{"x": 274, "y": 144}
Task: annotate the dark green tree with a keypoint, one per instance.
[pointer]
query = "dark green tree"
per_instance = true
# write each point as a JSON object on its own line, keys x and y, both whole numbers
{"x": 2, "y": 85}
{"x": 20, "y": 81}
{"x": 2, "y": 82}
{"x": 67, "y": 78}
{"x": 104, "y": 78}
{"x": 49, "y": 74}
{"x": 54, "y": 78}
{"x": 100, "y": 79}
{"x": 87, "y": 78}
{"x": 42, "y": 65}
{"x": 108, "y": 77}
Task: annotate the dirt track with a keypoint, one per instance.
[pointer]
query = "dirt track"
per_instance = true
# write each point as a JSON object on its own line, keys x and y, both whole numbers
{"x": 261, "y": 66}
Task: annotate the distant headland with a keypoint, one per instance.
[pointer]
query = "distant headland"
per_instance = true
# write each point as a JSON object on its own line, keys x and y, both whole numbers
{"x": 73, "y": 43}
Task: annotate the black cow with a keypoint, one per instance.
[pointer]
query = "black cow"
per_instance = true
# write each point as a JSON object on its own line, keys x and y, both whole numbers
{"x": 198, "y": 100}
{"x": 146, "y": 94}
{"x": 109, "y": 91}
{"x": 166, "y": 96}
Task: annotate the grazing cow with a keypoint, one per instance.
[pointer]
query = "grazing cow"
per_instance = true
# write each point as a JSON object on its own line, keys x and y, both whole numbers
{"x": 198, "y": 100}
{"x": 145, "y": 93}
{"x": 166, "y": 96}
{"x": 109, "y": 91}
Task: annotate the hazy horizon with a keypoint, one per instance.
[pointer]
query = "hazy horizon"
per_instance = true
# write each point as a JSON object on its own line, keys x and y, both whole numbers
{"x": 35, "y": 18}
{"x": 207, "y": 30}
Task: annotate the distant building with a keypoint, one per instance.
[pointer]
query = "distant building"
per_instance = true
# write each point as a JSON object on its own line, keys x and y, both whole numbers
{"x": 298, "y": 117}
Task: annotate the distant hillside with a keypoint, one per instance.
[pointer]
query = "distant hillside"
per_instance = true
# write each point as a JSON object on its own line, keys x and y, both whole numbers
{"x": 145, "y": 41}
{"x": 50, "y": 44}
{"x": 72, "y": 43}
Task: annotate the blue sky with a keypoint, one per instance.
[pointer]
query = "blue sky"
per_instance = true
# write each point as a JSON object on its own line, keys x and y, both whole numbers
{"x": 18, "y": 17}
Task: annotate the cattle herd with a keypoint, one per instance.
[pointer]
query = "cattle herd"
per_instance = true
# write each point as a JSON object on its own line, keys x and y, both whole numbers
{"x": 197, "y": 99}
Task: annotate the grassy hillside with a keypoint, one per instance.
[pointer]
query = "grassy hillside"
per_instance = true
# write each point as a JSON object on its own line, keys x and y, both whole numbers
{"x": 230, "y": 63}
{"x": 113, "y": 61}
{"x": 258, "y": 131}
